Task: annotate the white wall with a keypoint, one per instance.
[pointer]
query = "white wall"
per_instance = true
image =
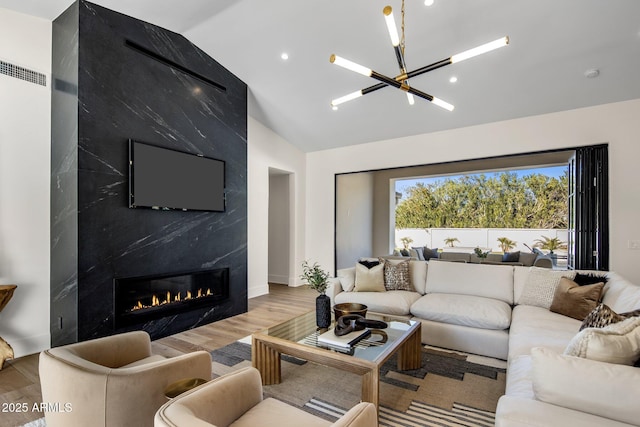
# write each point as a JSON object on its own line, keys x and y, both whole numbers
{"x": 616, "y": 124}
{"x": 268, "y": 150}
{"x": 279, "y": 227}
{"x": 25, "y": 135}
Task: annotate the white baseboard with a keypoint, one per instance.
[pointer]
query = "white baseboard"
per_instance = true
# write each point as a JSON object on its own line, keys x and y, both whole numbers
{"x": 278, "y": 278}
{"x": 256, "y": 291}
{"x": 31, "y": 345}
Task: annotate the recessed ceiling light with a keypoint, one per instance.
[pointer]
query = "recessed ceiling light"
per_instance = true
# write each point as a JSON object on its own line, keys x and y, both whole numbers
{"x": 592, "y": 73}
{"x": 284, "y": 56}
{"x": 453, "y": 79}
{"x": 334, "y": 107}
{"x": 428, "y": 2}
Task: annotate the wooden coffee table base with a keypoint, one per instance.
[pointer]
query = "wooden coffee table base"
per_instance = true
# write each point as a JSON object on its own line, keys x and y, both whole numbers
{"x": 266, "y": 351}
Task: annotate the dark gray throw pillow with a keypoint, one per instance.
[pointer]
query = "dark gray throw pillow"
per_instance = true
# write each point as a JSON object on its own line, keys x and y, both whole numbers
{"x": 511, "y": 257}
{"x": 430, "y": 253}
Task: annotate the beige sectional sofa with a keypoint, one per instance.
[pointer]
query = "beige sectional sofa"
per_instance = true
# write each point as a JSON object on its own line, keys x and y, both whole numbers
{"x": 487, "y": 310}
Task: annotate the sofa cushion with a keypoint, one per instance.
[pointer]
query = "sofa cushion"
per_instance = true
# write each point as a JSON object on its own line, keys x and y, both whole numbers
{"x": 540, "y": 286}
{"x": 390, "y": 302}
{"x": 454, "y": 256}
{"x": 274, "y": 412}
{"x": 464, "y": 310}
{"x": 597, "y": 388}
{"x": 575, "y": 301}
{"x": 535, "y": 326}
{"x": 616, "y": 343}
{"x": 418, "y": 271}
{"x": 489, "y": 281}
{"x": 527, "y": 258}
{"x": 369, "y": 279}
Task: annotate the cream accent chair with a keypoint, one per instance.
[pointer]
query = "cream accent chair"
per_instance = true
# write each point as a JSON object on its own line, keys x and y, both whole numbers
{"x": 236, "y": 400}
{"x": 113, "y": 381}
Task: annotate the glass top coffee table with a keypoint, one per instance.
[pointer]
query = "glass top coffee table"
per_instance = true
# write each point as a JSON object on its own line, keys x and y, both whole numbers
{"x": 298, "y": 337}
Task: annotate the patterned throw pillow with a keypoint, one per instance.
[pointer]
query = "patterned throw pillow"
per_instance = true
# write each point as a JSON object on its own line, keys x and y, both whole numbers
{"x": 602, "y": 316}
{"x": 540, "y": 286}
{"x": 397, "y": 276}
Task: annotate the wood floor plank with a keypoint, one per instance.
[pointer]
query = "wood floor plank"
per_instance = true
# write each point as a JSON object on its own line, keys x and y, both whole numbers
{"x": 20, "y": 382}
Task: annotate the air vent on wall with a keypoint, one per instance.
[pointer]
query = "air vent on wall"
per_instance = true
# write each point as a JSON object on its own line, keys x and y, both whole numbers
{"x": 22, "y": 73}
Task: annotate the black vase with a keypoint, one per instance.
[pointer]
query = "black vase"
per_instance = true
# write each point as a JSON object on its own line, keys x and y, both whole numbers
{"x": 323, "y": 311}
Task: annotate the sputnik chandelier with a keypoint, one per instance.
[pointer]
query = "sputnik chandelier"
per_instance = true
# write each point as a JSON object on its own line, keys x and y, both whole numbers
{"x": 401, "y": 81}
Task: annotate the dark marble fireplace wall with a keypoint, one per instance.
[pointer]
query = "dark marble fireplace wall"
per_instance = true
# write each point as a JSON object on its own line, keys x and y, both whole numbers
{"x": 115, "y": 78}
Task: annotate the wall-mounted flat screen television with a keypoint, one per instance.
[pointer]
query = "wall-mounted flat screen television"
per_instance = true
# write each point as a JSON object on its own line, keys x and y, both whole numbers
{"x": 162, "y": 178}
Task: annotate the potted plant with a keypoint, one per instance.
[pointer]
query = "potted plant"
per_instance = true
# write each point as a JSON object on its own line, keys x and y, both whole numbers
{"x": 450, "y": 241}
{"x": 317, "y": 278}
{"x": 506, "y": 244}
{"x": 551, "y": 244}
{"x": 480, "y": 254}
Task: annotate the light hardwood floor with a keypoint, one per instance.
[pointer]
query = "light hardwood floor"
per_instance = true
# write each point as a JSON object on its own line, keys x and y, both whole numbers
{"x": 20, "y": 384}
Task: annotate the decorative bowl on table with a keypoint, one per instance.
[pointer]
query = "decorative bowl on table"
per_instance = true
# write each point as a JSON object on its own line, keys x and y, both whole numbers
{"x": 347, "y": 308}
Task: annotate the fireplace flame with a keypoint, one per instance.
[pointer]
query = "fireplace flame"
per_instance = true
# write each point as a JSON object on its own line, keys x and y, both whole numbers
{"x": 169, "y": 298}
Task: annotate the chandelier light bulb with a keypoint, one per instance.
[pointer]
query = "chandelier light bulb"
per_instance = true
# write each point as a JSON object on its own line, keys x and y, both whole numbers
{"x": 349, "y": 65}
{"x": 444, "y": 104}
{"x": 343, "y": 99}
{"x": 411, "y": 99}
{"x": 487, "y": 47}
{"x": 391, "y": 25}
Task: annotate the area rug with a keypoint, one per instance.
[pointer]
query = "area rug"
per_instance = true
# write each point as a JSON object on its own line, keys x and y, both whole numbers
{"x": 451, "y": 388}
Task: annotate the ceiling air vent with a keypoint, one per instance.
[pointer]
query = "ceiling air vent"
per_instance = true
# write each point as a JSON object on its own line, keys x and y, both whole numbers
{"x": 22, "y": 73}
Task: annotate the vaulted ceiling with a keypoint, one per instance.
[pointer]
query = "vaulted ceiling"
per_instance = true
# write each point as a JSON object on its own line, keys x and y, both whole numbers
{"x": 552, "y": 45}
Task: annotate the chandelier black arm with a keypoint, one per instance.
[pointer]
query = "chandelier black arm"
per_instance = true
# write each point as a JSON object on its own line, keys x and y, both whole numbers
{"x": 388, "y": 81}
{"x": 410, "y": 74}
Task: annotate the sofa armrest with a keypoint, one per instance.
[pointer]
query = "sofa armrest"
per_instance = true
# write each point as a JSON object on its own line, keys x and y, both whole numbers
{"x": 364, "y": 414}
{"x": 217, "y": 403}
{"x": 603, "y": 389}
{"x": 334, "y": 287}
{"x": 513, "y": 411}
{"x": 543, "y": 262}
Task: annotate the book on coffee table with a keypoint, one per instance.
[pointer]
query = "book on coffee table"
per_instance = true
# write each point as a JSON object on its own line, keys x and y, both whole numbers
{"x": 344, "y": 341}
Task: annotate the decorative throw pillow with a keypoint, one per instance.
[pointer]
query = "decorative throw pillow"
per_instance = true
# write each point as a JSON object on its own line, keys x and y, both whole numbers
{"x": 617, "y": 343}
{"x": 583, "y": 279}
{"x": 397, "y": 276}
{"x": 369, "y": 279}
{"x": 575, "y": 301}
{"x": 369, "y": 263}
{"x": 602, "y": 316}
{"x": 540, "y": 286}
{"x": 419, "y": 253}
{"x": 430, "y": 253}
{"x": 511, "y": 257}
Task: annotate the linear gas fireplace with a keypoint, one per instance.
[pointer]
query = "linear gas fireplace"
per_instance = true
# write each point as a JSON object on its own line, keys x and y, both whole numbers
{"x": 141, "y": 299}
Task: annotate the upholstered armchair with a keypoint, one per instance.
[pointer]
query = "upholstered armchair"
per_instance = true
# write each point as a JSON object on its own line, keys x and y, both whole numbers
{"x": 113, "y": 381}
{"x": 236, "y": 398}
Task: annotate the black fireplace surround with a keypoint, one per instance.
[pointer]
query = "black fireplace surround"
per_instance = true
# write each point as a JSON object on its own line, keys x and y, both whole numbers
{"x": 116, "y": 78}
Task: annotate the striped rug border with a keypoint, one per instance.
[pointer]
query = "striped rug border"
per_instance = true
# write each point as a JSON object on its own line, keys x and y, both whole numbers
{"x": 418, "y": 414}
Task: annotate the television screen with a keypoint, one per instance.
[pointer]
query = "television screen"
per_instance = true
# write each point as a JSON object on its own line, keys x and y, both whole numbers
{"x": 161, "y": 178}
